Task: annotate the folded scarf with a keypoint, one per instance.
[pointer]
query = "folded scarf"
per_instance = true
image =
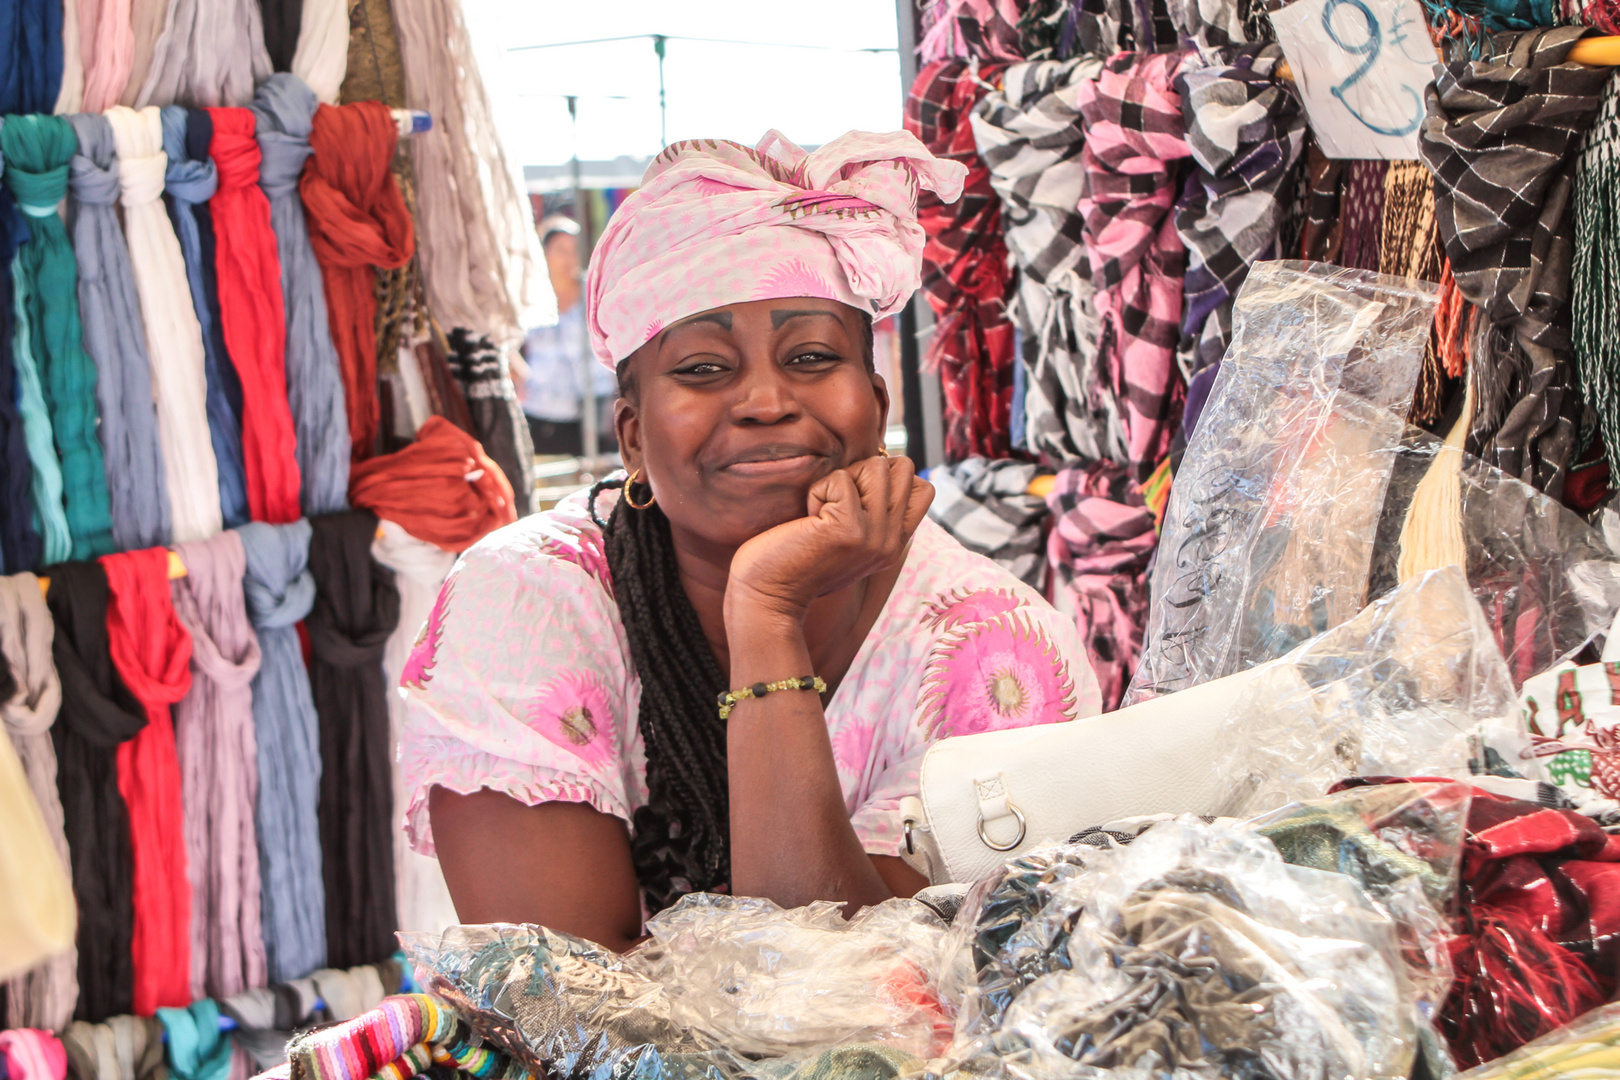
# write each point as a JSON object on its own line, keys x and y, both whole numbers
{"x": 38, "y": 150}
{"x": 152, "y": 652}
{"x": 442, "y": 488}
{"x": 98, "y": 716}
{"x": 1501, "y": 136}
{"x": 282, "y": 19}
{"x": 20, "y": 542}
{"x": 114, "y": 337}
{"x": 1134, "y": 140}
{"x": 31, "y": 1054}
{"x": 31, "y": 42}
{"x": 964, "y": 266}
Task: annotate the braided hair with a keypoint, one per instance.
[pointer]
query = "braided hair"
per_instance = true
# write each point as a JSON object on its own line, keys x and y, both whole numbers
{"x": 681, "y": 840}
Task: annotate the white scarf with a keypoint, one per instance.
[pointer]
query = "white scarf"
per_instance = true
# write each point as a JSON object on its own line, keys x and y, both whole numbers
{"x": 322, "y": 59}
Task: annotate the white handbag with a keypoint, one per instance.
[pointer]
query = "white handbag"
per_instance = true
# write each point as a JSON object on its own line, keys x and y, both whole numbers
{"x": 988, "y": 798}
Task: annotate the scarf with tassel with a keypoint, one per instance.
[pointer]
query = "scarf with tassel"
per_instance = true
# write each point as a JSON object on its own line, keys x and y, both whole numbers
{"x": 20, "y": 542}
{"x": 1595, "y": 277}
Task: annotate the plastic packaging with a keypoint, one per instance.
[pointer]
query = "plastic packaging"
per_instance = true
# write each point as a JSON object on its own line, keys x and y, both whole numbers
{"x": 1588, "y": 1049}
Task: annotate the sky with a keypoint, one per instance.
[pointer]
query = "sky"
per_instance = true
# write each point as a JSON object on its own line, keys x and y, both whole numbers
{"x": 812, "y": 93}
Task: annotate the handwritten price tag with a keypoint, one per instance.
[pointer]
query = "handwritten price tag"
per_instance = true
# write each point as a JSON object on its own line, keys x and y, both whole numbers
{"x": 1361, "y": 67}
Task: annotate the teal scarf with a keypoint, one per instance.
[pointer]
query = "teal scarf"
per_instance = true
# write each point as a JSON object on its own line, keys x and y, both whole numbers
{"x": 37, "y": 151}
{"x": 46, "y": 482}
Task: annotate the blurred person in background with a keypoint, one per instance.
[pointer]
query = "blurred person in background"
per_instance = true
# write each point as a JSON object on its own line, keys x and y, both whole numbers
{"x": 556, "y": 355}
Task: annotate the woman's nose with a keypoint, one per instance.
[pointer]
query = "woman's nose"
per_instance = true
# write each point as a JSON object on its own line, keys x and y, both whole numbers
{"x": 764, "y": 397}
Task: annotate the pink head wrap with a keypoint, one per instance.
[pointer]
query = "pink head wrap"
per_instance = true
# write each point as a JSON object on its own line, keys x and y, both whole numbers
{"x": 718, "y": 223}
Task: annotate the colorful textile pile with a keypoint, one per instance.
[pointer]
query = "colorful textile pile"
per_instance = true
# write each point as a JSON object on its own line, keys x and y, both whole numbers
{"x": 405, "y": 1036}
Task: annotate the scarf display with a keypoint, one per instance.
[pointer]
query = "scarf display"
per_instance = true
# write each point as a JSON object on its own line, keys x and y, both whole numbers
{"x": 1102, "y": 540}
{"x": 173, "y": 334}
{"x": 1245, "y": 132}
{"x": 110, "y": 311}
{"x": 316, "y": 394}
{"x": 987, "y": 507}
{"x": 219, "y": 773}
{"x": 964, "y": 265}
{"x": 1029, "y": 136}
{"x": 356, "y": 609}
{"x": 43, "y": 997}
{"x": 1595, "y": 276}
{"x": 190, "y": 182}
{"x": 322, "y": 59}
{"x": 442, "y": 488}
{"x": 32, "y": 1054}
{"x": 108, "y": 48}
{"x": 1501, "y": 135}
{"x": 123, "y": 1048}
{"x": 279, "y": 592}
{"x": 497, "y": 418}
{"x": 253, "y": 317}
{"x": 38, "y": 150}
{"x": 98, "y": 717}
{"x": 20, "y": 544}
{"x": 419, "y": 570}
{"x": 31, "y": 42}
{"x": 1132, "y": 118}
{"x": 358, "y": 222}
{"x": 211, "y": 55}
{"x": 152, "y": 652}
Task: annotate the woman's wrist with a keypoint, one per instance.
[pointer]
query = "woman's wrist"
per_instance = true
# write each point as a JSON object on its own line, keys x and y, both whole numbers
{"x": 750, "y": 614}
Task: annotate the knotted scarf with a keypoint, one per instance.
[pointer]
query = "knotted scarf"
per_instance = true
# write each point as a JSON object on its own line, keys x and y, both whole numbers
{"x": 356, "y": 609}
{"x": 173, "y": 334}
{"x": 442, "y": 488}
{"x": 1101, "y": 542}
{"x": 198, "y": 1049}
{"x": 107, "y": 43}
{"x": 43, "y": 997}
{"x": 32, "y": 1054}
{"x": 495, "y": 417}
{"x": 31, "y": 42}
{"x": 123, "y": 1048}
{"x": 315, "y": 393}
{"x": 1245, "y": 133}
{"x": 37, "y": 151}
{"x": 98, "y": 716}
{"x": 110, "y": 310}
{"x": 358, "y": 222}
{"x": 152, "y": 652}
{"x": 219, "y": 772}
{"x": 251, "y": 312}
{"x": 964, "y": 265}
{"x": 1501, "y": 136}
{"x": 1064, "y": 29}
{"x": 1029, "y": 135}
{"x": 279, "y": 591}
{"x": 20, "y": 543}
{"x": 1134, "y": 139}
{"x": 189, "y": 183}
{"x": 211, "y": 54}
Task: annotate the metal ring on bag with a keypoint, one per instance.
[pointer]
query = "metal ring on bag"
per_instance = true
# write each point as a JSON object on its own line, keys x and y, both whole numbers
{"x": 910, "y": 848}
{"x": 1019, "y": 839}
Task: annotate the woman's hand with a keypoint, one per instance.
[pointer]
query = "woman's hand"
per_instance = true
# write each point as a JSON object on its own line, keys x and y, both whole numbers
{"x": 860, "y": 520}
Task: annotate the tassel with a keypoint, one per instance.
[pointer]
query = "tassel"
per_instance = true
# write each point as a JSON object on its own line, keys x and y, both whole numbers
{"x": 1595, "y": 277}
{"x": 1409, "y": 246}
{"x": 1432, "y": 535}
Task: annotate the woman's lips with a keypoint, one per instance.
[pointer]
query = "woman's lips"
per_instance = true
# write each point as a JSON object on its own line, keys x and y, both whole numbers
{"x": 775, "y": 466}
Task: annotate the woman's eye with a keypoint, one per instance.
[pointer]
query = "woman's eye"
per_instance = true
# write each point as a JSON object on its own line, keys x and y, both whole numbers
{"x": 814, "y": 358}
{"x": 702, "y": 367}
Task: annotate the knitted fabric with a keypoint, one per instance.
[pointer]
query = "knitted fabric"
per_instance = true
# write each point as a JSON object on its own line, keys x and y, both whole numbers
{"x": 1595, "y": 277}
{"x": 1361, "y": 214}
{"x": 20, "y": 542}
{"x": 38, "y": 150}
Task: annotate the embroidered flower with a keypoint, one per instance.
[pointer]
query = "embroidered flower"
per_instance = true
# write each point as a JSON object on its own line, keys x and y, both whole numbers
{"x": 947, "y": 611}
{"x": 418, "y": 670}
{"x": 993, "y": 674}
{"x": 572, "y": 711}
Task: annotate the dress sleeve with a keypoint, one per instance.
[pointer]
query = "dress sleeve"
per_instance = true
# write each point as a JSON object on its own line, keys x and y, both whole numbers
{"x": 518, "y": 683}
{"x": 1000, "y": 662}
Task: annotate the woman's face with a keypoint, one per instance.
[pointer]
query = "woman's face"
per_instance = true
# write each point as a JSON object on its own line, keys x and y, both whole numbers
{"x": 733, "y": 413}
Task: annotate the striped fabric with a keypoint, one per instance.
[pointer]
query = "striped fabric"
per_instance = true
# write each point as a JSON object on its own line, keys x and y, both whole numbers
{"x": 986, "y": 506}
{"x": 401, "y": 1038}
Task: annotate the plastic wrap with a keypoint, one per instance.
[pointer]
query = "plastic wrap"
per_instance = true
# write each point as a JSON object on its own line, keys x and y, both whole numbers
{"x": 1588, "y": 1049}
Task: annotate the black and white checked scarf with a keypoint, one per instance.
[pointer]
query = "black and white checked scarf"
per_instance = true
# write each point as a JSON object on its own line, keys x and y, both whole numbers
{"x": 1501, "y": 136}
{"x": 986, "y": 505}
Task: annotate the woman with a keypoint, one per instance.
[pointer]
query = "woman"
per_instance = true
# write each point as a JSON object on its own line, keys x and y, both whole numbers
{"x": 567, "y": 756}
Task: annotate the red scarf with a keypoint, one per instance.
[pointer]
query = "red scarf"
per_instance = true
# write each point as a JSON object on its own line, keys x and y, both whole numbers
{"x": 357, "y": 221}
{"x": 442, "y": 488}
{"x": 152, "y": 653}
{"x": 254, "y": 321}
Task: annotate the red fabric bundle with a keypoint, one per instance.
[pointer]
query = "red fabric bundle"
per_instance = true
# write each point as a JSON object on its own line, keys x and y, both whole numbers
{"x": 965, "y": 271}
{"x": 442, "y": 488}
{"x": 253, "y": 317}
{"x": 152, "y": 653}
{"x": 357, "y": 221}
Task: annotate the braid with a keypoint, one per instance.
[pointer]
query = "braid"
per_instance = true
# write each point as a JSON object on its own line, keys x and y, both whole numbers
{"x": 682, "y": 837}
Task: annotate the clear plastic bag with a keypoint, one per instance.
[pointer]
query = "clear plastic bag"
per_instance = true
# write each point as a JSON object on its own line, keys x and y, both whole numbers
{"x": 1588, "y": 1049}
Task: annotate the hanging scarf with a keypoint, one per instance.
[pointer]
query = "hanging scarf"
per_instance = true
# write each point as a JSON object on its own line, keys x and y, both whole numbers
{"x": 108, "y": 47}
{"x": 419, "y": 571}
{"x": 1595, "y": 278}
{"x": 31, "y": 43}
{"x": 1061, "y": 29}
{"x": 20, "y": 543}
{"x": 279, "y": 591}
{"x": 152, "y": 652}
{"x": 38, "y": 150}
{"x": 211, "y": 54}
{"x": 146, "y": 18}
{"x": 45, "y": 471}
{"x": 70, "y": 98}
{"x": 282, "y": 20}
{"x": 322, "y": 58}
{"x": 1245, "y": 132}
{"x": 197, "y": 1048}
{"x": 1361, "y": 212}
{"x": 110, "y": 311}
{"x": 173, "y": 335}
{"x": 964, "y": 266}
{"x": 98, "y": 716}
{"x": 31, "y": 1054}
{"x": 1029, "y": 135}
{"x": 219, "y": 772}
{"x": 315, "y": 392}
{"x": 356, "y": 609}
{"x": 358, "y": 221}
{"x": 189, "y": 183}
{"x": 43, "y": 997}
{"x": 251, "y": 312}
{"x": 1101, "y": 542}
{"x": 1321, "y": 230}
{"x": 1409, "y": 246}
{"x": 987, "y": 507}
{"x": 1133, "y": 124}
{"x": 964, "y": 29}
{"x": 497, "y": 418}
{"x": 442, "y": 488}
{"x": 1501, "y": 135}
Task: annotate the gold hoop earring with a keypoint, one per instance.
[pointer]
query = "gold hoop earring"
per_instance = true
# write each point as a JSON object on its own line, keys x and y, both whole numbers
{"x": 627, "y": 497}
{"x": 883, "y": 451}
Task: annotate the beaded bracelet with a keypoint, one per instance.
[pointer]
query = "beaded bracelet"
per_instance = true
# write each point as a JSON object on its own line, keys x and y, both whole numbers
{"x": 760, "y": 689}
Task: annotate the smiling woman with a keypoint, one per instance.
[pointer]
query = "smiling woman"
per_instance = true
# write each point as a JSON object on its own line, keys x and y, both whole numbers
{"x": 729, "y": 682}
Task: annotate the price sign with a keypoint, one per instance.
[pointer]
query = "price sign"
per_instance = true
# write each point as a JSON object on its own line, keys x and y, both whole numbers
{"x": 1361, "y": 67}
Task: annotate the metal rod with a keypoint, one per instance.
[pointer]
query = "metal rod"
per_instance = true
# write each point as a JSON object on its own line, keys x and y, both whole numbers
{"x": 663, "y": 104}
{"x": 589, "y": 439}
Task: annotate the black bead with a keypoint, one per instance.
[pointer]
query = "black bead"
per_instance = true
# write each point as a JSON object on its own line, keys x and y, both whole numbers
{"x": 760, "y": 689}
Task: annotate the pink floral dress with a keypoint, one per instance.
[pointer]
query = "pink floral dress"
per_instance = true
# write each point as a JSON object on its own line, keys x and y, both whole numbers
{"x": 521, "y": 681}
